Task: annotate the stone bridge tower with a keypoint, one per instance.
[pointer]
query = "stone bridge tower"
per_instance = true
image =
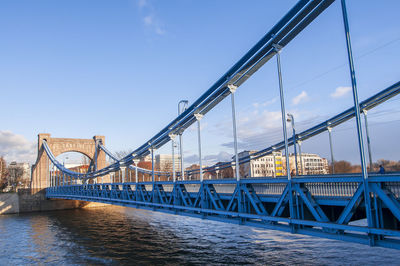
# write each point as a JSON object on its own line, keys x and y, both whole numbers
{"x": 58, "y": 146}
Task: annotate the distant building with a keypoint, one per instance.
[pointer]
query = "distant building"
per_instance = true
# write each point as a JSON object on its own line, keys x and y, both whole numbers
{"x": 163, "y": 162}
{"x": 73, "y": 165}
{"x": 267, "y": 166}
{"x": 310, "y": 164}
{"x": 79, "y": 168}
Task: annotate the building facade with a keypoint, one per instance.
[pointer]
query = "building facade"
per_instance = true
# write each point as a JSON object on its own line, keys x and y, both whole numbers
{"x": 308, "y": 164}
{"x": 266, "y": 166}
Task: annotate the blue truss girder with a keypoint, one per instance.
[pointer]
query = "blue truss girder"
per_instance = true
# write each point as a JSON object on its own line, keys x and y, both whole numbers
{"x": 216, "y": 204}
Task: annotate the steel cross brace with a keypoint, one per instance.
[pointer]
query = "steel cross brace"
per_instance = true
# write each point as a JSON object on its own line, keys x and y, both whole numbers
{"x": 142, "y": 194}
{"x": 181, "y": 196}
{"x": 127, "y": 192}
{"x": 305, "y": 196}
{"x": 159, "y": 194}
{"x": 246, "y": 200}
{"x": 208, "y": 198}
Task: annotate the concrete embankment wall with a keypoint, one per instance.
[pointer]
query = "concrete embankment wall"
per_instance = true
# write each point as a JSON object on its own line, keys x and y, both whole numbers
{"x": 26, "y": 200}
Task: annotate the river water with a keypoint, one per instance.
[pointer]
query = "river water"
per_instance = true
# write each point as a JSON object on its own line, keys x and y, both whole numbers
{"x": 117, "y": 235}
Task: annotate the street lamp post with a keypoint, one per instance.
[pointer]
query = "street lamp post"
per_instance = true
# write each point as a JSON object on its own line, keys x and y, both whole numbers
{"x": 198, "y": 118}
{"x": 184, "y": 104}
{"x": 66, "y": 158}
{"x": 291, "y": 119}
{"x": 172, "y": 137}
{"x": 368, "y": 140}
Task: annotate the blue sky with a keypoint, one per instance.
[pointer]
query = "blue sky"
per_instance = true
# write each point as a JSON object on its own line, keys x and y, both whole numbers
{"x": 118, "y": 68}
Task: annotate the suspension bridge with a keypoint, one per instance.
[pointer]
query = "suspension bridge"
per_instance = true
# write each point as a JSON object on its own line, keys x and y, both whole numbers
{"x": 317, "y": 205}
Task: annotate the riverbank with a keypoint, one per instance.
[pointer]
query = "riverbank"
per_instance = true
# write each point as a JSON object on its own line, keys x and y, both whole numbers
{"x": 26, "y": 200}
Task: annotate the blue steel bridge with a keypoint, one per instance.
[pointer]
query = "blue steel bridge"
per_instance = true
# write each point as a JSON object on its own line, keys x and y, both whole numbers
{"x": 317, "y": 205}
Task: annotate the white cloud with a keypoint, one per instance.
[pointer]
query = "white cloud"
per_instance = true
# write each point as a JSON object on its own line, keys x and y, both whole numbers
{"x": 153, "y": 23}
{"x": 255, "y": 129}
{"x": 193, "y": 127}
{"x": 340, "y": 92}
{"x": 209, "y": 160}
{"x": 266, "y": 103}
{"x": 16, "y": 147}
{"x": 150, "y": 20}
{"x": 159, "y": 30}
{"x": 142, "y": 3}
{"x": 260, "y": 130}
{"x": 222, "y": 156}
{"x": 302, "y": 97}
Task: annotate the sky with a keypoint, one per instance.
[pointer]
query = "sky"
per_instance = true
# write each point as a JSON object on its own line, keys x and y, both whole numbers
{"x": 77, "y": 69}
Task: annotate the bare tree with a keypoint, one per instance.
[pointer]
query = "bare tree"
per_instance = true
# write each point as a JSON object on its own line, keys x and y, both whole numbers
{"x": 15, "y": 176}
{"x": 390, "y": 166}
{"x": 343, "y": 167}
{"x": 3, "y": 173}
{"x": 243, "y": 171}
{"x": 3, "y": 167}
{"x": 227, "y": 172}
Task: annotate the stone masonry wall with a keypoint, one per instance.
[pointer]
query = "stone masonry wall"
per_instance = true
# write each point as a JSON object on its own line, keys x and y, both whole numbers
{"x": 26, "y": 201}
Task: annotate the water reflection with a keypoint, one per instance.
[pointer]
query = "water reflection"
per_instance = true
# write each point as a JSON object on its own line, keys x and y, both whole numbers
{"x": 116, "y": 235}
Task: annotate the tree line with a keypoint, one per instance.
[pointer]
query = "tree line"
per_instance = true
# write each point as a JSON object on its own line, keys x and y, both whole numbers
{"x": 342, "y": 167}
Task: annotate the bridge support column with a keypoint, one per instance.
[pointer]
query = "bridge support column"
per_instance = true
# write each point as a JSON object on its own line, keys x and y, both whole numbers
{"x": 172, "y": 137}
{"x": 331, "y": 149}
{"x": 152, "y": 174}
{"x": 123, "y": 174}
{"x": 232, "y": 89}
{"x": 283, "y": 111}
{"x": 364, "y": 171}
{"x": 368, "y": 141}
{"x": 198, "y": 118}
